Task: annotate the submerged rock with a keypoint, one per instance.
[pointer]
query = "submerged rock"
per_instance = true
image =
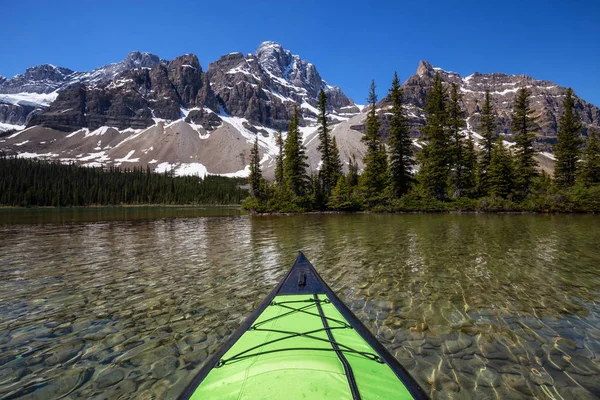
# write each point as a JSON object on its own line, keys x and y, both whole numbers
{"x": 109, "y": 377}
{"x": 64, "y": 352}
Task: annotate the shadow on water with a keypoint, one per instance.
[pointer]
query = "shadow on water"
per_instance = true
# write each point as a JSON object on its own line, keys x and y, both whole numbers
{"x": 28, "y": 216}
{"x": 474, "y": 306}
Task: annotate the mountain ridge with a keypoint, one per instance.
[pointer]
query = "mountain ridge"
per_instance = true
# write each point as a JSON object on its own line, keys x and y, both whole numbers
{"x": 89, "y": 116}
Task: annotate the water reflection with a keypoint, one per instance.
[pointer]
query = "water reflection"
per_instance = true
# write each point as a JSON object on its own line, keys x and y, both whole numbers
{"x": 500, "y": 306}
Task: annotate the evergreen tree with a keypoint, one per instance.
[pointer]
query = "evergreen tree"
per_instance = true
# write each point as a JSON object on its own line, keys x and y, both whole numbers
{"x": 457, "y": 145}
{"x": 523, "y": 126}
{"x": 342, "y": 196}
{"x": 279, "y": 159}
{"x": 294, "y": 161}
{"x": 401, "y": 153}
{"x": 353, "y": 171}
{"x": 255, "y": 176}
{"x": 589, "y": 171}
{"x": 501, "y": 173}
{"x": 374, "y": 177}
{"x": 488, "y": 133}
{"x": 434, "y": 157}
{"x": 336, "y": 162}
{"x": 327, "y": 171}
{"x": 25, "y": 182}
{"x": 567, "y": 148}
{"x": 471, "y": 166}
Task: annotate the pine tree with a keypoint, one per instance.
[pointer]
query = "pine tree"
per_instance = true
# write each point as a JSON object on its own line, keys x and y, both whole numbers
{"x": 488, "y": 133}
{"x": 327, "y": 172}
{"x": 567, "y": 148}
{"x": 336, "y": 162}
{"x": 401, "y": 153}
{"x": 353, "y": 171}
{"x": 374, "y": 176}
{"x": 501, "y": 173}
{"x": 523, "y": 126}
{"x": 589, "y": 171}
{"x": 471, "y": 166}
{"x": 457, "y": 145}
{"x": 434, "y": 157}
{"x": 294, "y": 161}
{"x": 255, "y": 176}
{"x": 279, "y": 159}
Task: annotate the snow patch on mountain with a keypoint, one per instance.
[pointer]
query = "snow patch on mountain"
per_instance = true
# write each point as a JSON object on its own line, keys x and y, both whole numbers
{"x": 9, "y": 127}
{"x": 28, "y": 99}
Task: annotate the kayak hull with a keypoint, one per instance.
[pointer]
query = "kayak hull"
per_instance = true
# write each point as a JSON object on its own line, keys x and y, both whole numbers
{"x": 302, "y": 342}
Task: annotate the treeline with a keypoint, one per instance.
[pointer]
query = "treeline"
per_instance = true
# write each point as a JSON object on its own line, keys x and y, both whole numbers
{"x": 449, "y": 172}
{"x": 27, "y": 183}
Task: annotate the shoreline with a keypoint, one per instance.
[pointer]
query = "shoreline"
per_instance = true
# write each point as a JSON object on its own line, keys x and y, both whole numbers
{"x": 266, "y": 214}
{"x": 121, "y": 206}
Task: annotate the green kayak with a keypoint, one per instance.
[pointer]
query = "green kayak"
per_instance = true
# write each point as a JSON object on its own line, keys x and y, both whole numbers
{"x": 302, "y": 342}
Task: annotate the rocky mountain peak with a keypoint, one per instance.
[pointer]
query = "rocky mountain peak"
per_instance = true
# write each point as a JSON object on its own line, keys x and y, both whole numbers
{"x": 45, "y": 78}
{"x": 283, "y": 64}
{"x": 136, "y": 59}
{"x": 47, "y": 72}
{"x": 424, "y": 68}
{"x": 264, "y": 87}
{"x": 274, "y": 58}
{"x": 185, "y": 61}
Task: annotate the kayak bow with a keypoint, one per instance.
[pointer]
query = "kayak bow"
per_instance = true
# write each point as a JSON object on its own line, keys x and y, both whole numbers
{"x": 302, "y": 342}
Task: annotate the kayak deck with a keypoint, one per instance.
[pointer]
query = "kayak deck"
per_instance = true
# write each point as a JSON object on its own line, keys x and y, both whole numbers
{"x": 302, "y": 343}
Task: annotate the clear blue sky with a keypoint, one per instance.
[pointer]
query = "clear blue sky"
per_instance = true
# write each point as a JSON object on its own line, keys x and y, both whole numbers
{"x": 350, "y": 42}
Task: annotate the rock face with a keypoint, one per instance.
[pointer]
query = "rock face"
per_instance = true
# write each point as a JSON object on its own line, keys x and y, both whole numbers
{"x": 67, "y": 111}
{"x": 25, "y": 95}
{"x": 13, "y": 114}
{"x": 546, "y": 100}
{"x": 44, "y": 78}
{"x": 132, "y": 99}
{"x": 264, "y": 87}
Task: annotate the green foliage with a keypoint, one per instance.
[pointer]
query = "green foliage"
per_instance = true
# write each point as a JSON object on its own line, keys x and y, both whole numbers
{"x": 30, "y": 183}
{"x": 374, "y": 178}
{"x": 353, "y": 172}
{"x": 401, "y": 153}
{"x": 589, "y": 172}
{"x": 435, "y": 157}
{"x": 463, "y": 158}
{"x": 586, "y": 199}
{"x": 523, "y": 126}
{"x": 294, "y": 161}
{"x": 335, "y": 161}
{"x": 566, "y": 150}
{"x": 470, "y": 168}
{"x": 501, "y": 173}
{"x": 344, "y": 197}
{"x": 279, "y": 159}
{"x": 488, "y": 133}
{"x": 255, "y": 177}
{"x": 452, "y": 174}
{"x": 330, "y": 155}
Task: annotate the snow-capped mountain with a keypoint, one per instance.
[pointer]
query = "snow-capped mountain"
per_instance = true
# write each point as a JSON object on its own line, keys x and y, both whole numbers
{"x": 264, "y": 87}
{"x": 173, "y": 115}
{"x": 39, "y": 86}
{"x": 546, "y": 100}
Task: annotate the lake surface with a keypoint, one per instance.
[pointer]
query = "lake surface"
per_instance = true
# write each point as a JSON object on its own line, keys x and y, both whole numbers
{"x": 109, "y": 303}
